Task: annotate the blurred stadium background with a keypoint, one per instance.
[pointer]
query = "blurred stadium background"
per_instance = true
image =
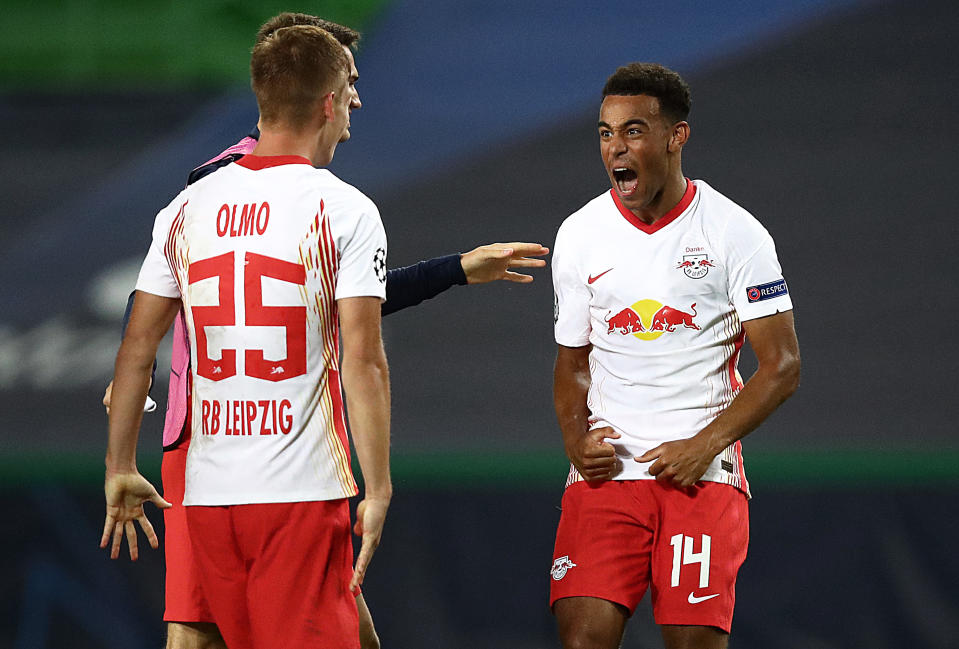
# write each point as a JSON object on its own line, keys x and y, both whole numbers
{"x": 833, "y": 121}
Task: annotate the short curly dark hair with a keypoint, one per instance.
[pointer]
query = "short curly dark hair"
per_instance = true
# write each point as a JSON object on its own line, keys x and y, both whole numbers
{"x": 654, "y": 80}
{"x": 346, "y": 36}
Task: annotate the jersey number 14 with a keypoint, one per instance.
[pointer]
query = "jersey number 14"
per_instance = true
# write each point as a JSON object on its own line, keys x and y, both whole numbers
{"x": 683, "y": 555}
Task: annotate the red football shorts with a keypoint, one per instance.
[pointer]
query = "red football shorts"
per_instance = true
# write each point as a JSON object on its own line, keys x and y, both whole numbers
{"x": 184, "y": 596}
{"x": 618, "y": 537}
{"x": 277, "y": 575}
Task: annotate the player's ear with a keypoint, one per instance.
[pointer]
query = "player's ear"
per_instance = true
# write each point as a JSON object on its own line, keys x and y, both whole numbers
{"x": 327, "y": 103}
{"x": 678, "y": 137}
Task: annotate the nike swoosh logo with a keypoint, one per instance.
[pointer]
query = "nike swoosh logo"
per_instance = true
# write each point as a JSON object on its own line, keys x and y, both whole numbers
{"x": 593, "y": 278}
{"x": 696, "y": 600}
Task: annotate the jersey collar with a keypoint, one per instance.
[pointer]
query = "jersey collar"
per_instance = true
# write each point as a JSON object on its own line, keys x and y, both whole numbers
{"x": 257, "y": 162}
{"x": 666, "y": 219}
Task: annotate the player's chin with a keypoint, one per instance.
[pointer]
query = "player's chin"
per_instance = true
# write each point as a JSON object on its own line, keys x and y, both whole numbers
{"x": 345, "y": 136}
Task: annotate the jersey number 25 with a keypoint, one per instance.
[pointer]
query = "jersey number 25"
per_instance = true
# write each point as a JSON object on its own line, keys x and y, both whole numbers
{"x": 292, "y": 318}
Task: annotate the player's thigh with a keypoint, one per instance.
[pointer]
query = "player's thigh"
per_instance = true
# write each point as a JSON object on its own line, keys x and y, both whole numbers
{"x": 301, "y": 563}
{"x": 193, "y": 635}
{"x": 701, "y": 543}
{"x": 694, "y": 637}
{"x": 603, "y": 544}
{"x": 590, "y": 622}
{"x": 368, "y": 637}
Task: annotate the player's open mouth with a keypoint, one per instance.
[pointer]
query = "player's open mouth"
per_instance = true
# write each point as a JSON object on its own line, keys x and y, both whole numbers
{"x": 626, "y": 180}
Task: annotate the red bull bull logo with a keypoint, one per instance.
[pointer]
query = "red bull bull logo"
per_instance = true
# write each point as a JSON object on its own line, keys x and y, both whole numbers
{"x": 695, "y": 266}
{"x": 626, "y": 321}
{"x": 649, "y": 319}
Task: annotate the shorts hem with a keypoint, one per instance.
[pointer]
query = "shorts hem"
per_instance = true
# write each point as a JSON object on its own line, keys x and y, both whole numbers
{"x": 724, "y": 624}
{"x": 614, "y": 600}
{"x": 175, "y": 618}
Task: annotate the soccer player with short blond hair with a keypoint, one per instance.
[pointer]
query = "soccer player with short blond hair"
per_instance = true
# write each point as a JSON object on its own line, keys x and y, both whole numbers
{"x": 187, "y": 613}
{"x": 274, "y": 262}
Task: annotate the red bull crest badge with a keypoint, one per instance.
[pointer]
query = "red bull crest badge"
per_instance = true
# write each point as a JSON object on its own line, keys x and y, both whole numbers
{"x": 696, "y": 266}
{"x": 649, "y": 319}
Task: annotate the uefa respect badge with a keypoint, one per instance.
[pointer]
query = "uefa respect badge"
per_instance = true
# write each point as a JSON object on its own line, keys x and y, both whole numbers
{"x": 766, "y": 291}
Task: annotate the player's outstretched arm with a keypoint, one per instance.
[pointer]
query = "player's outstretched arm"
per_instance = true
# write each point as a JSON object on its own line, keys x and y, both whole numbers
{"x": 493, "y": 262}
{"x": 594, "y": 458}
{"x": 411, "y": 285}
{"x": 773, "y": 340}
{"x": 367, "y": 386}
{"x": 124, "y": 488}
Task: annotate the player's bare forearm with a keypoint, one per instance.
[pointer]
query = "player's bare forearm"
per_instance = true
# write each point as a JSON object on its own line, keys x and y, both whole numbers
{"x": 594, "y": 458}
{"x": 773, "y": 339}
{"x": 368, "y": 402}
{"x": 570, "y": 387}
{"x": 132, "y": 378}
{"x": 366, "y": 383}
{"x": 151, "y": 317}
{"x": 774, "y": 342}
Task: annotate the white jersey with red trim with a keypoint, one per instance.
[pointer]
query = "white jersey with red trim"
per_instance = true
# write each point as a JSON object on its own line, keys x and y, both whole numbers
{"x": 662, "y": 307}
{"x": 259, "y": 252}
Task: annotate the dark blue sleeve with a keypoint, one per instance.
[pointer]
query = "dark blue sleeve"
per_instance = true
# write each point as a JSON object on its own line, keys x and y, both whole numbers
{"x": 126, "y": 321}
{"x": 410, "y": 285}
{"x": 205, "y": 170}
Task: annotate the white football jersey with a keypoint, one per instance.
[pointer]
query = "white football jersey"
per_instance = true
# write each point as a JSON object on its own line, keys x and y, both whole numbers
{"x": 259, "y": 252}
{"x": 662, "y": 307}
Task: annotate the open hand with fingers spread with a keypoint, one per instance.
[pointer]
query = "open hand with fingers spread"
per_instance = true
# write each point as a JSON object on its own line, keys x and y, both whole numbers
{"x": 492, "y": 262}
{"x": 594, "y": 458}
{"x": 125, "y": 494}
{"x": 370, "y": 517}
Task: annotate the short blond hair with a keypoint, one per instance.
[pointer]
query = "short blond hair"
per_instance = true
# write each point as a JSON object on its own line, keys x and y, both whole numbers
{"x": 291, "y": 69}
{"x": 345, "y": 35}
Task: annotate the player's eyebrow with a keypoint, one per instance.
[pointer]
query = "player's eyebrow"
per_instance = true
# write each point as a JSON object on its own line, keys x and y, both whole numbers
{"x": 630, "y": 122}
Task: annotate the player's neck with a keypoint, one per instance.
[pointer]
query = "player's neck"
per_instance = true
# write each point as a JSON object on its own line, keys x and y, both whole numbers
{"x": 281, "y": 142}
{"x": 663, "y": 201}
{"x": 276, "y": 143}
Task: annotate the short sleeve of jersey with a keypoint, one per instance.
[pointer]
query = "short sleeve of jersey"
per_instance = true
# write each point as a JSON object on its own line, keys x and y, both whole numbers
{"x": 757, "y": 287}
{"x": 570, "y": 295}
{"x": 362, "y": 264}
{"x": 156, "y": 276}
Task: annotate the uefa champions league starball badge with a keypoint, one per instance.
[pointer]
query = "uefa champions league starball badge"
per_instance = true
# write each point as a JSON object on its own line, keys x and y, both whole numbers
{"x": 379, "y": 264}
